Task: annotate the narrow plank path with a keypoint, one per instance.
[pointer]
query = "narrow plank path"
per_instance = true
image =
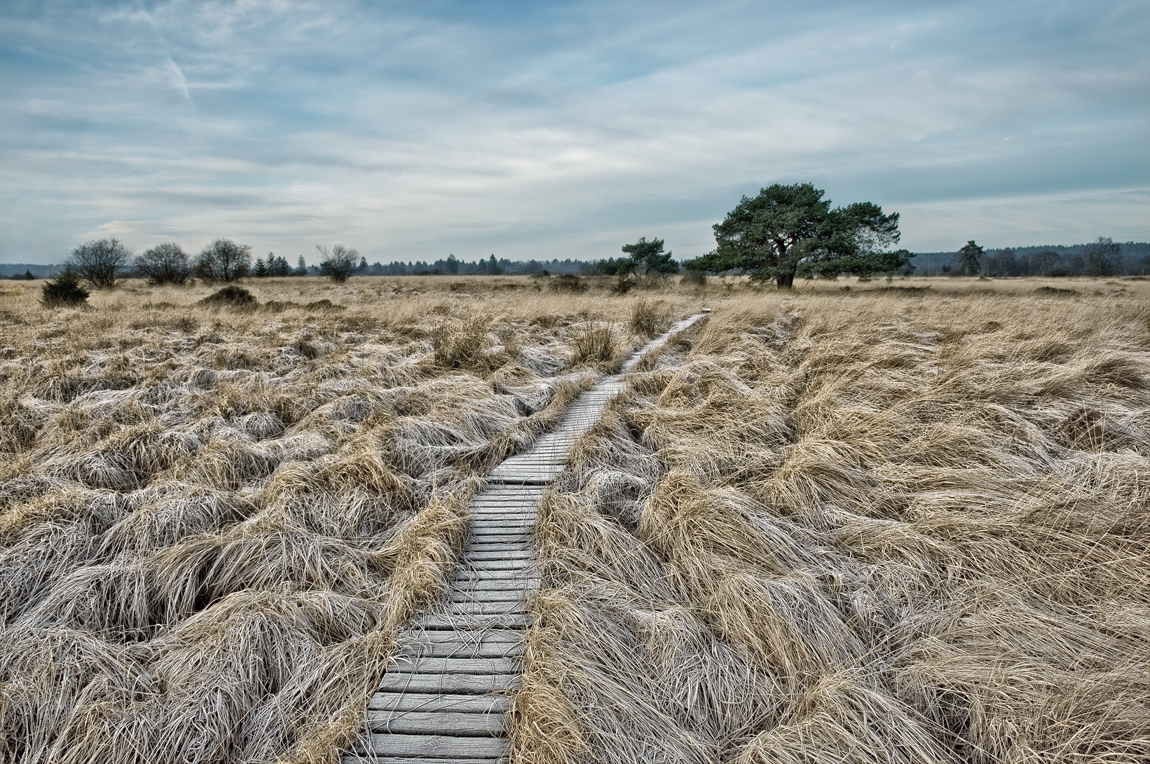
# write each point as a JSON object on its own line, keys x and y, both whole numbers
{"x": 444, "y": 698}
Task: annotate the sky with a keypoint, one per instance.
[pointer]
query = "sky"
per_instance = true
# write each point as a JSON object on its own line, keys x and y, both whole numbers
{"x": 540, "y": 130}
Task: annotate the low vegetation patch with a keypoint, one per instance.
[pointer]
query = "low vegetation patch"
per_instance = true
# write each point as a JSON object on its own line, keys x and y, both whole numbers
{"x": 231, "y": 296}
{"x": 64, "y": 291}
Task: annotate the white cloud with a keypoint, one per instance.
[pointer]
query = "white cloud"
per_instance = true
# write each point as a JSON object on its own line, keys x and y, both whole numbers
{"x": 563, "y": 128}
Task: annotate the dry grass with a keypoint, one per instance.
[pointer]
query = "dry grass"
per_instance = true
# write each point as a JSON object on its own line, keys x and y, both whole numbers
{"x": 886, "y": 525}
{"x": 213, "y": 522}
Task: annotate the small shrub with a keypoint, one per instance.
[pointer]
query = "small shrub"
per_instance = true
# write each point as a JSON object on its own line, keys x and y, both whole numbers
{"x": 694, "y": 279}
{"x": 624, "y": 282}
{"x": 64, "y": 292}
{"x": 595, "y": 344}
{"x": 324, "y": 305}
{"x": 568, "y": 282}
{"x": 231, "y": 296}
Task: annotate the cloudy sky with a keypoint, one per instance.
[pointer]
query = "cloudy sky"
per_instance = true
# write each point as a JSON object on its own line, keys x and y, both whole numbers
{"x": 563, "y": 129}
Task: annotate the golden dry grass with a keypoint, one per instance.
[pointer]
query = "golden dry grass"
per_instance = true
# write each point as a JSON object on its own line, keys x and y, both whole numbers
{"x": 894, "y": 523}
{"x": 885, "y": 525}
{"x": 214, "y": 521}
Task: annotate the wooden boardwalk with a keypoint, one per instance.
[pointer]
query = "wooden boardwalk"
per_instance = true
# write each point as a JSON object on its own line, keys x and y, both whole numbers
{"x": 444, "y": 698}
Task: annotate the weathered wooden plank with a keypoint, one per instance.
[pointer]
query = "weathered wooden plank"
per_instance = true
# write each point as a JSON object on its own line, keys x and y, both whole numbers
{"x": 519, "y": 564}
{"x": 514, "y": 536}
{"x": 494, "y": 579}
{"x": 417, "y": 701}
{"x": 504, "y": 607}
{"x": 373, "y": 759}
{"x": 438, "y": 746}
{"x": 454, "y": 622}
{"x": 491, "y": 635}
{"x": 462, "y": 649}
{"x": 488, "y": 595}
{"x": 427, "y": 664}
{"x": 455, "y": 684}
{"x": 439, "y": 722}
{"x": 480, "y": 555}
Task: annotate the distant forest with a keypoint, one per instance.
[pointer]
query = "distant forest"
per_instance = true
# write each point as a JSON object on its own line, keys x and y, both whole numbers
{"x": 1130, "y": 259}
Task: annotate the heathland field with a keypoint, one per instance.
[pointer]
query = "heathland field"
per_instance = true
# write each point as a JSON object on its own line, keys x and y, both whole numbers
{"x": 899, "y": 522}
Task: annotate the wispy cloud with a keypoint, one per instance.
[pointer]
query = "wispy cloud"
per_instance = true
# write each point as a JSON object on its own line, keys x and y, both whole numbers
{"x": 562, "y": 129}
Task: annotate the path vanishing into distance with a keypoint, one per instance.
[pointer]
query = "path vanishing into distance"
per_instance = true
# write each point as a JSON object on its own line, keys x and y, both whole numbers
{"x": 445, "y": 696}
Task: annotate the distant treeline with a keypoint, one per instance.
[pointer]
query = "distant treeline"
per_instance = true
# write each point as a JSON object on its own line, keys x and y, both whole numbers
{"x": 1132, "y": 258}
{"x": 492, "y": 266}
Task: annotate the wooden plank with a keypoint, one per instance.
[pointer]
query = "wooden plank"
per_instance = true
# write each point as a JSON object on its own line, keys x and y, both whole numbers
{"x": 476, "y": 580}
{"x": 517, "y": 564}
{"x": 436, "y": 665}
{"x": 416, "y": 701}
{"x": 372, "y": 759}
{"x": 454, "y": 622}
{"x": 501, "y": 541}
{"x": 455, "y": 684}
{"x": 462, "y": 649}
{"x": 483, "y": 555}
{"x": 438, "y": 746}
{"x": 488, "y": 595}
{"x": 503, "y": 607}
{"x": 423, "y": 723}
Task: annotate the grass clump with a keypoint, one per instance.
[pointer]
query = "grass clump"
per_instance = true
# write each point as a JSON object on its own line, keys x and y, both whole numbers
{"x": 231, "y": 296}
{"x": 64, "y": 291}
{"x": 648, "y": 319}
{"x": 594, "y": 344}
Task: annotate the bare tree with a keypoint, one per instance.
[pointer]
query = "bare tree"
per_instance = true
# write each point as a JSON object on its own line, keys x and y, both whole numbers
{"x": 340, "y": 263}
{"x": 164, "y": 264}
{"x": 1102, "y": 257}
{"x": 224, "y": 260}
{"x": 100, "y": 261}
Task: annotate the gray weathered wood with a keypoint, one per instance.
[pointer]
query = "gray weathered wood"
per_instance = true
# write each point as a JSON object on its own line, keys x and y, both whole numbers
{"x": 417, "y": 701}
{"x": 456, "y": 684}
{"x": 488, "y": 595}
{"x": 438, "y": 746}
{"x": 462, "y": 649}
{"x": 487, "y": 608}
{"x": 432, "y": 665}
{"x": 443, "y": 622}
{"x": 499, "y": 554}
{"x": 437, "y": 722}
{"x": 373, "y": 759}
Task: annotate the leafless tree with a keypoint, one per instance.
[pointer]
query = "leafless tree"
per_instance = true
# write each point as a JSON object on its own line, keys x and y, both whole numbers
{"x": 100, "y": 261}
{"x": 224, "y": 260}
{"x": 164, "y": 264}
{"x": 340, "y": 263}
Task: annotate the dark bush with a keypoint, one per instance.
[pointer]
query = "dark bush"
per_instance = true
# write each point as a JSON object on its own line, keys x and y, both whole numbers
{"x": 568, "y": 282}
{"x": 64, "y": 292}
{"x": 231, "y": 296}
